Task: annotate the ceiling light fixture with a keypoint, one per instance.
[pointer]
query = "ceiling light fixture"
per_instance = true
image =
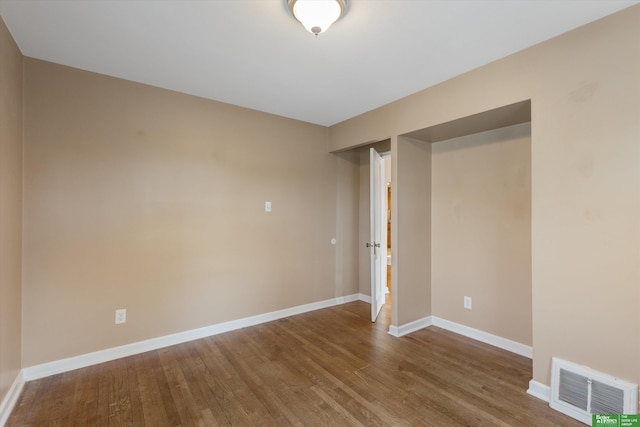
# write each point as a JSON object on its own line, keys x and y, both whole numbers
{"x": 317, "y": 15}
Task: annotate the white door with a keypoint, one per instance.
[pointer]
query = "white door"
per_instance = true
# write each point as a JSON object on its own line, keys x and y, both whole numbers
{"x": 378, "y": 233}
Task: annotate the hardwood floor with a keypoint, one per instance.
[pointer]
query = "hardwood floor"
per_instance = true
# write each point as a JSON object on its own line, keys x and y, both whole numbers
{"x": 331, "y": 367}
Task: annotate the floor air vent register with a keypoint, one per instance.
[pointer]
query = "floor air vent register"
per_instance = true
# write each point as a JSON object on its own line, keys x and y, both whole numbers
{"x": 579, "y": 391}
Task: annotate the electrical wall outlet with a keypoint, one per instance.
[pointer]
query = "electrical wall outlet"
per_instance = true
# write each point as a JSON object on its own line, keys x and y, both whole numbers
{"x": 267, "y": 206}
{"x": 121, "y": 316}
{"x": 467, "y": 303}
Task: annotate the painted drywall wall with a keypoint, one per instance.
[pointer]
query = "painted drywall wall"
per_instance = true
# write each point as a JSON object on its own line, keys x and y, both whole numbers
{"x": 481, "y": 231}
{"x": 364, "y": 256}
{"x": 153, "y": 201}
{"x": 347, "y": 182}
{"x": 10, "y": 209}
{"x": 411, "y": 230}
{"x": 585, "y": 165}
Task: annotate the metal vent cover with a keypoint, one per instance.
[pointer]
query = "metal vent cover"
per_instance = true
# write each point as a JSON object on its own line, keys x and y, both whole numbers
{"x": 579, "y": 391}
{"x": 574, "y": 389}
{"x": 606, "y": 399}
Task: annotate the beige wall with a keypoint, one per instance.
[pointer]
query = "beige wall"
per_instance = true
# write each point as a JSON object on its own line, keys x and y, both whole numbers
{"x": 347, "y": 181}
{"x": 410, "y": 230}
{"x": 153, "y": 201}
{"x": 481, "y": 231}
{"x": 585, "y": 162}
{"x": 364, "y": 256}
{"x": 10, "y": 209}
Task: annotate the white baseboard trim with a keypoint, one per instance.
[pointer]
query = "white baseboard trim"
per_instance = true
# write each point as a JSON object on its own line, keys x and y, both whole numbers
{"x": 476, "y": 334}
{"x": 10, "y": 400}
{"x": 485, "y": 337}
{"x": 365, "y": 298}
{"x": 539, "y": 390}
{"x": 407, "y": 328}
{"x": 84, "y": 360}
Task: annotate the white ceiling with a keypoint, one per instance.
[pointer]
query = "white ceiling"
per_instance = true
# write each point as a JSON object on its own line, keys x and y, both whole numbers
{"x": 252, "y": 53}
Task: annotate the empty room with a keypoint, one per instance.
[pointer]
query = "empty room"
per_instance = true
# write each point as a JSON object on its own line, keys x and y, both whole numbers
{"x": 319, "y": 212}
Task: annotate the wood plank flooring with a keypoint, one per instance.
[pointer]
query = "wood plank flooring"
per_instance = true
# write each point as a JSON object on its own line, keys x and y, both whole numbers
{"x": 331, "y": 367}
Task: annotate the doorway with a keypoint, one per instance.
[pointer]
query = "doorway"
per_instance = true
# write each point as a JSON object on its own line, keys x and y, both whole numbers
{"x": 364, "y": 221}
{"x": 378, "y": 242}
{"x": 387, "y": 164}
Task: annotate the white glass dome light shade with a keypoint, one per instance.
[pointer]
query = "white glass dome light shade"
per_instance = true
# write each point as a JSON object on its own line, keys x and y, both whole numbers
{"x": 317, "y": 15}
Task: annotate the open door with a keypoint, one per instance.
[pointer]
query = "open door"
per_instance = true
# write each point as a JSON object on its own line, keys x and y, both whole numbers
{"x": 378, "y": 233}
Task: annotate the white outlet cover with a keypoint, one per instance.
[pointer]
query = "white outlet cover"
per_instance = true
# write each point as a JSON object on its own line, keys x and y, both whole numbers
{"x": 267, "y": 206}
{"x": 121, "y": 316}
{"x": 467, "y": 302}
